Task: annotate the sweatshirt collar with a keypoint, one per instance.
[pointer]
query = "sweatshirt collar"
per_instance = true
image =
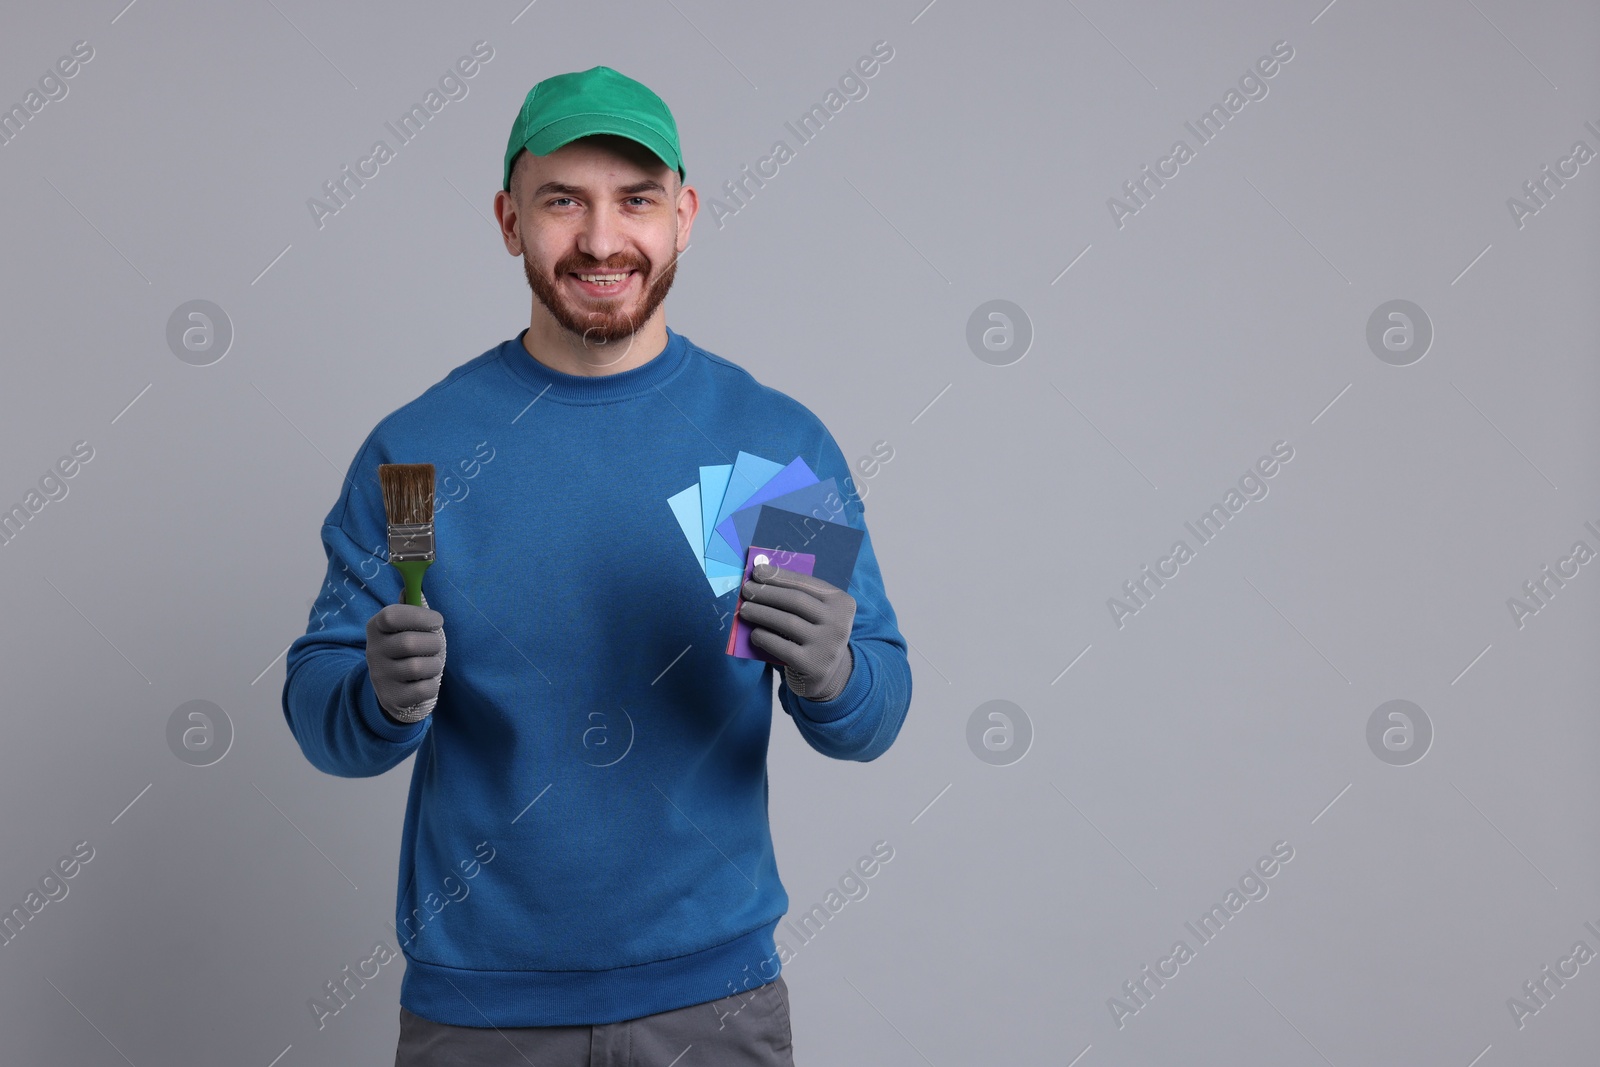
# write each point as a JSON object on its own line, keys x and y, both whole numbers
{"x": 552, "y": 384}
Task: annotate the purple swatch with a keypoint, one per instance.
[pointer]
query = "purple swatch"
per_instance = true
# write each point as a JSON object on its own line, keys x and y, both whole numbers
{"x": 739, "y": 639}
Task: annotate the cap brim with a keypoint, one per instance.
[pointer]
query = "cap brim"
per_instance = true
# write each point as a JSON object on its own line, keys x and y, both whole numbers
{"x": 566, "y": 130}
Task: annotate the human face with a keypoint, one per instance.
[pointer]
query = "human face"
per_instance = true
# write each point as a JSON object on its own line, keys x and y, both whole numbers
{"x": 600, "y": 205}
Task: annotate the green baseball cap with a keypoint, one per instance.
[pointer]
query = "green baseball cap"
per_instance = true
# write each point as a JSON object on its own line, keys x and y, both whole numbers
{"x": 565, "y": 107}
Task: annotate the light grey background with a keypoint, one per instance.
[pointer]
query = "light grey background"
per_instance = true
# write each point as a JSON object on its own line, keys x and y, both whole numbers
{"x": 1228, "y": 314}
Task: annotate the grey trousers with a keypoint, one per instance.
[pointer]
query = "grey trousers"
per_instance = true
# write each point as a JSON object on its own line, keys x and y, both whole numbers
{"x": 749, "y": 1028}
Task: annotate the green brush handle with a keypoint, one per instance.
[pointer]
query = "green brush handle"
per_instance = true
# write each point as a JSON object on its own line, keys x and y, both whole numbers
{"x": 411, "y": 570}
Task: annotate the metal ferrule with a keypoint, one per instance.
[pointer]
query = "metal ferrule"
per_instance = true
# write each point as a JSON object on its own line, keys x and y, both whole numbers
{"x": 410, "y": 541}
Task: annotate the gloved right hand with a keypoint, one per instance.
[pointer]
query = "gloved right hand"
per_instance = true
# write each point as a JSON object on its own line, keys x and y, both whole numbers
{"x": 405, "y": 658}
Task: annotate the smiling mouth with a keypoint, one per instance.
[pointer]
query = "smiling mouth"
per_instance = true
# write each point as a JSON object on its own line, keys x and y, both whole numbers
{"x": 603, "y": 283}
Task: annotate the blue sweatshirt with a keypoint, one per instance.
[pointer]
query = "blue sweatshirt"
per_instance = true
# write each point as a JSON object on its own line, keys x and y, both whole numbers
{"x": 586, "y": 835}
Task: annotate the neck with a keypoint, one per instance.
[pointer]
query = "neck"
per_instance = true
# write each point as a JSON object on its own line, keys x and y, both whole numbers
{"x": 560, "y": 349}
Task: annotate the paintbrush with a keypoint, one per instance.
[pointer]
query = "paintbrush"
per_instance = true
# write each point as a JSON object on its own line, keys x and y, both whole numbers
{"x": 408, "y": 505}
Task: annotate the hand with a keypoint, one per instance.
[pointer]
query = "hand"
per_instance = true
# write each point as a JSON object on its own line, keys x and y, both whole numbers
{"x": 805, "y": 622}
{"x": 405, "y": 657}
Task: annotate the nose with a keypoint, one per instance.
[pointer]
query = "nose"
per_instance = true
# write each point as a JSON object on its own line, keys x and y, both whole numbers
{"x": 601, "y": 237}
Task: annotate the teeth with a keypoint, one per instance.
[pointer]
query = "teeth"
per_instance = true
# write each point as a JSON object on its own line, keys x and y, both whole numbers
{"x": 602, "y": 278}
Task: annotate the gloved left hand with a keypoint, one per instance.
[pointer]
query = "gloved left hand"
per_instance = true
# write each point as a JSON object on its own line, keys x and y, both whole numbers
{"x": 805, "y": 622}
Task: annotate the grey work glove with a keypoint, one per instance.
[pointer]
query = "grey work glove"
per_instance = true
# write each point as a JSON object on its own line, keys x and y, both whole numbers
{"x": 805, "y": 622}
{"x": 405, "y": 657}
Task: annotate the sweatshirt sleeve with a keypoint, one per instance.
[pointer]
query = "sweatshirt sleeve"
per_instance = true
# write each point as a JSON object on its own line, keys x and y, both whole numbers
{"x": 328, "y": 699}
{"x": 862, "y": 721}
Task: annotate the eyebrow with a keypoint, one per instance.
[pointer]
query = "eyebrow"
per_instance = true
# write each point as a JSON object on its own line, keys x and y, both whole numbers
{"x": 647, "y": 186}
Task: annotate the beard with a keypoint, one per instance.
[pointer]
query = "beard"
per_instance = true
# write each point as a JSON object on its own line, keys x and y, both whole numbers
{"x": 603, "y": 320}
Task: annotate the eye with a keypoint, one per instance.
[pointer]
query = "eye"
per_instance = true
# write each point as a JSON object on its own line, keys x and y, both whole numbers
{"x": 558, "y": 199}
{"x": 643, "y": 199}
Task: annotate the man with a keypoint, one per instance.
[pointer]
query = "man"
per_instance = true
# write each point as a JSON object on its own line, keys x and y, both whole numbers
{"x": 586, "y": 867}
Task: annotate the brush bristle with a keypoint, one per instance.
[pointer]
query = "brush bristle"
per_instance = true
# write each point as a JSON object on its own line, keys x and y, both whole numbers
{"x": 407, "y": 492}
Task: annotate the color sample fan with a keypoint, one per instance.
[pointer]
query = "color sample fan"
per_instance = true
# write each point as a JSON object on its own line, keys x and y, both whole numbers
{"x": 758, "y": 501}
